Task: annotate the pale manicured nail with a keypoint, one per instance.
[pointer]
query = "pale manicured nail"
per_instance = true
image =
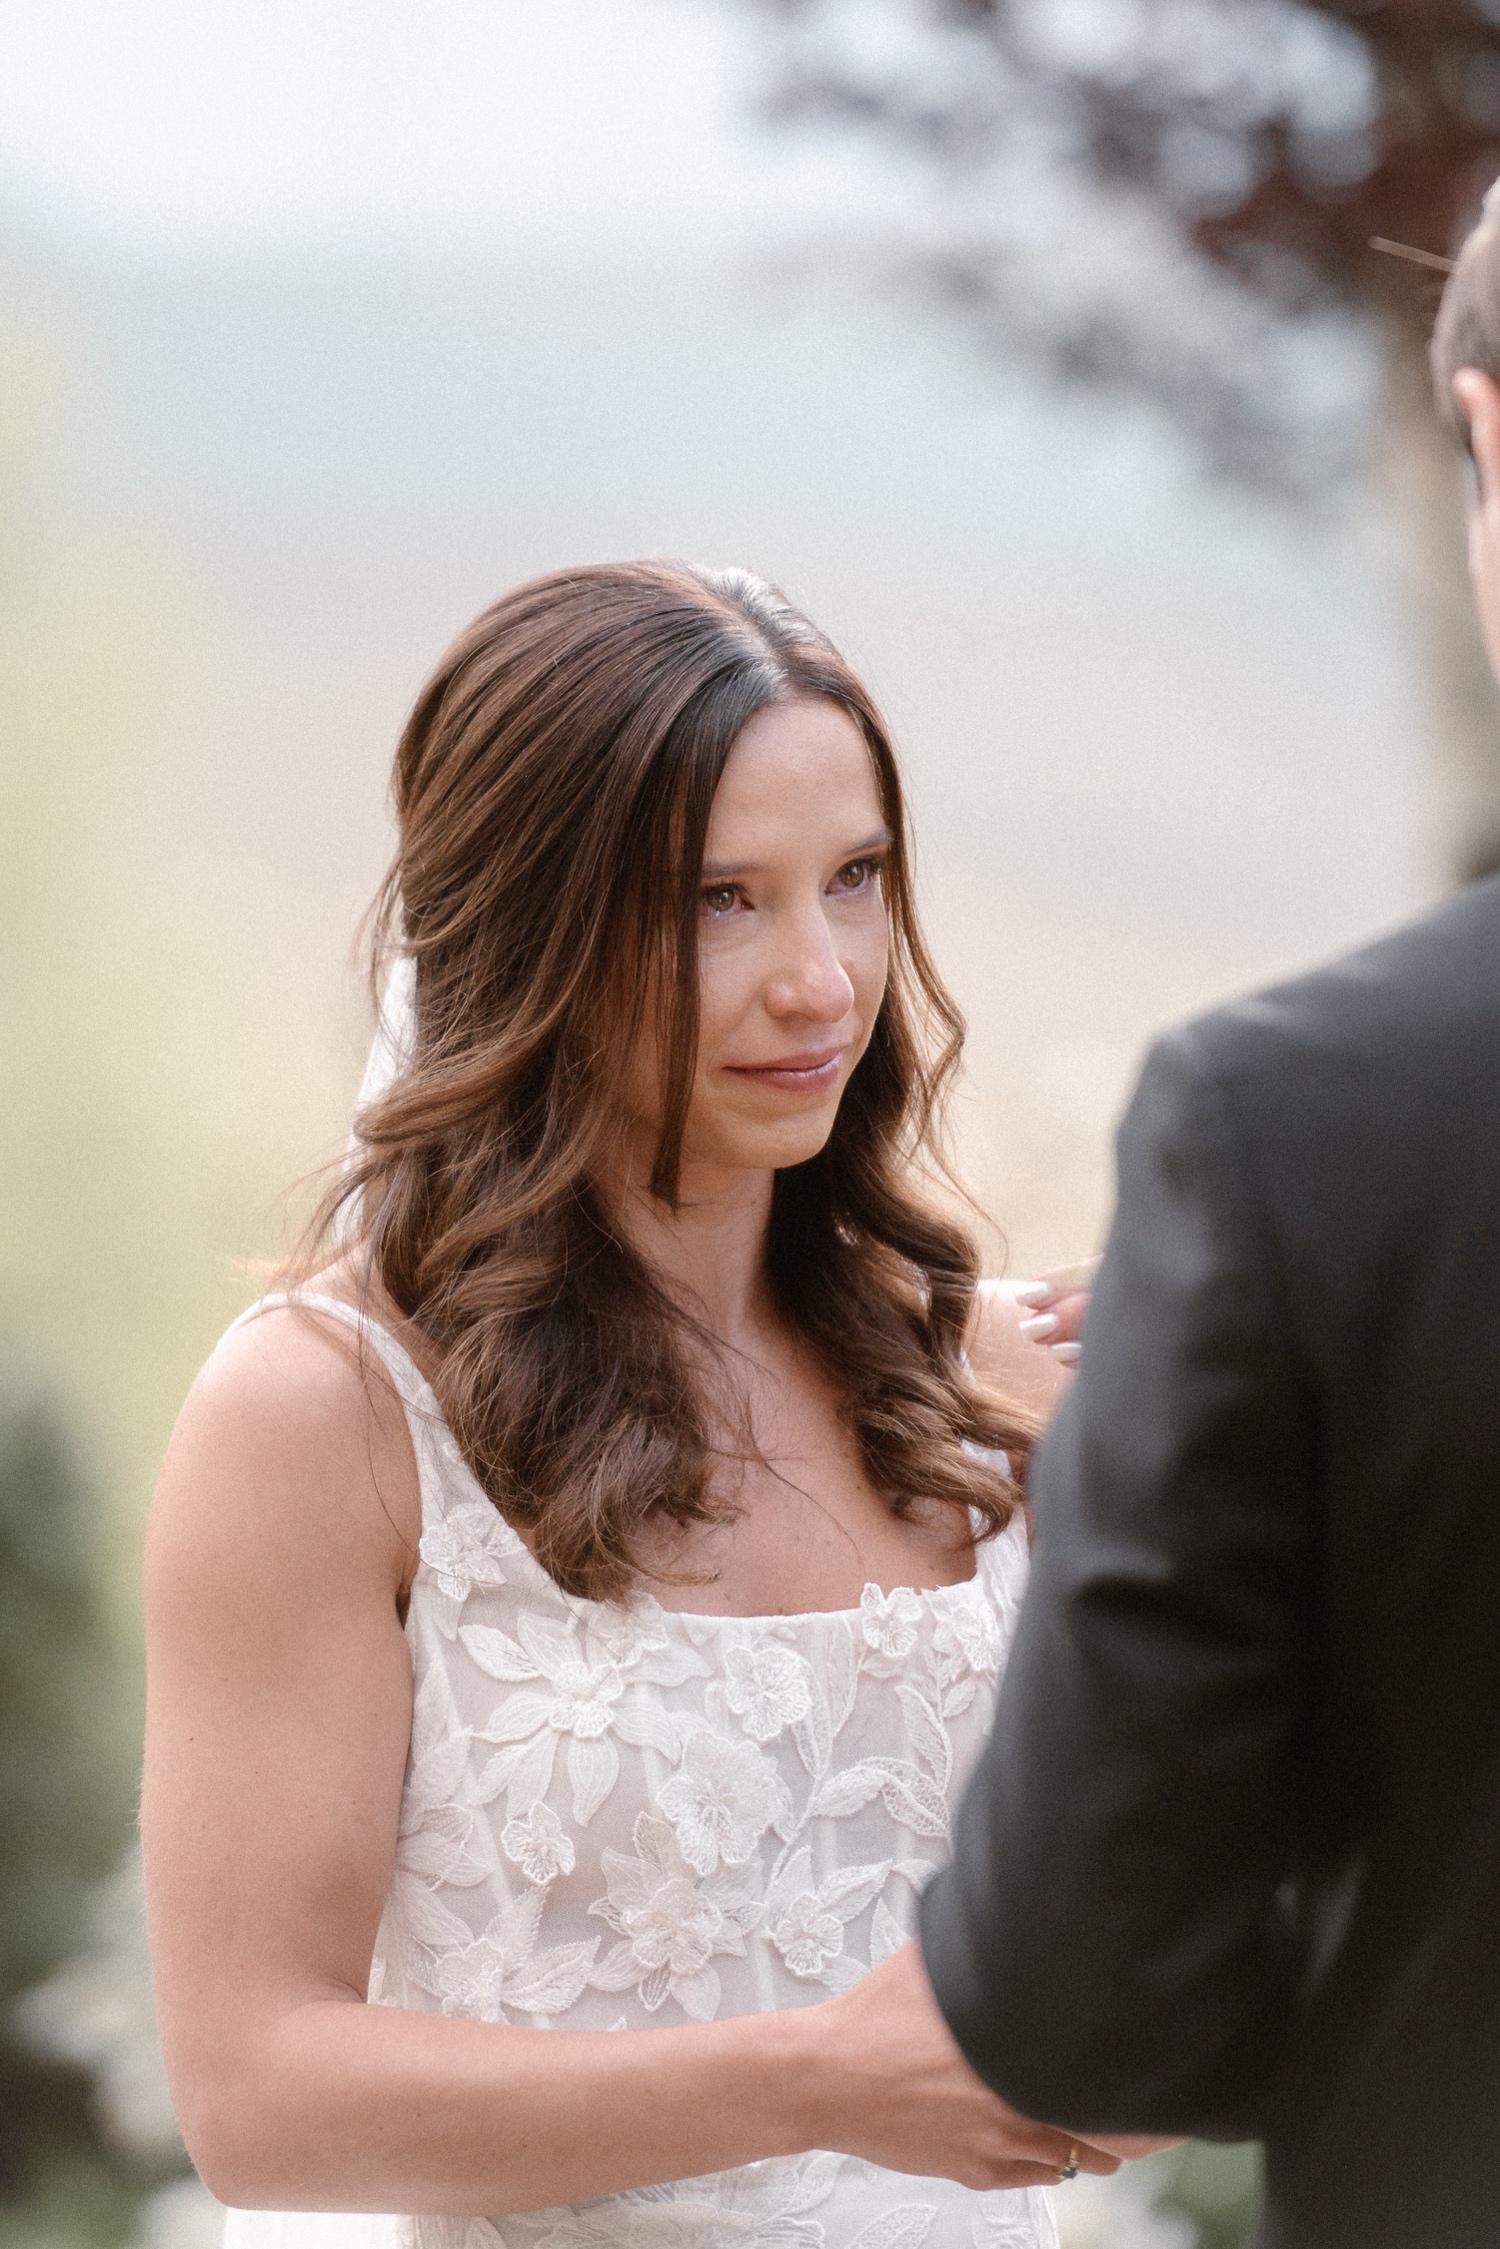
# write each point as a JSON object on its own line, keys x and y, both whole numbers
{"x": 1069, "y": 1353}
{"x": 1034, "y": 1292}
{"x": 1044, "y": 1324}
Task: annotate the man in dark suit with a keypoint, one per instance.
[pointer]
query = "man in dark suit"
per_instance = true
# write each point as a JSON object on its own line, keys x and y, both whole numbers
{"x": 1230, "y": 1865}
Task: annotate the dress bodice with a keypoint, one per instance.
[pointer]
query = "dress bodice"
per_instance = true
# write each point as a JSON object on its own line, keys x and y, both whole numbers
{"x": 620, "y": 1816}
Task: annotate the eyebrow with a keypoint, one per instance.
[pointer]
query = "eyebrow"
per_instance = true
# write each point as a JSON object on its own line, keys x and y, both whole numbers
{"x": 714, "y": 872}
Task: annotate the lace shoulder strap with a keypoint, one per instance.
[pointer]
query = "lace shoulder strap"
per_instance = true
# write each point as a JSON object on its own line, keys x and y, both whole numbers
{"x": 442, "y": 1473}
{"x": 409, "y": 1383}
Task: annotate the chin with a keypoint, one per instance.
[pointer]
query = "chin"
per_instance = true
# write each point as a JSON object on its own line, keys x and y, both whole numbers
{"x": 742, "y": 1143}
{"x": 782, "y": 1151}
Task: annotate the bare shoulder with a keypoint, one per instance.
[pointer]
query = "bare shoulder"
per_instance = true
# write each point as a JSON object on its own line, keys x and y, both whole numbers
{"x": 1006, "y": 1360}
{"x": 291, "y": 1453}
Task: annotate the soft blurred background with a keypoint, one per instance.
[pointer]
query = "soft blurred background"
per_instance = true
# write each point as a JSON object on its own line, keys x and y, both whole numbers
{"x": 1035, "y": 345}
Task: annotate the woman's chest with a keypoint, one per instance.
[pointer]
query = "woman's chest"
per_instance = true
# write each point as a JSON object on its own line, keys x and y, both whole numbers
{"x": 797, "y": 1542}
{"x": 803, "y": 1529}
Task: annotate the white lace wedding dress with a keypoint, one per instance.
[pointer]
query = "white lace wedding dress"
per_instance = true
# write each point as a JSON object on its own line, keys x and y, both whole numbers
{"x": 619, "y": 1817}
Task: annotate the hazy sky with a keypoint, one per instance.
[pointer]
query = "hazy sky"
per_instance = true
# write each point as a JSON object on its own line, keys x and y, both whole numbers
{"x": 440, "y": 124}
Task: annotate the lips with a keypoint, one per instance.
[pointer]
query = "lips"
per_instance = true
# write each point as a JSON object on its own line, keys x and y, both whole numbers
{"x": 793, "y": 1073}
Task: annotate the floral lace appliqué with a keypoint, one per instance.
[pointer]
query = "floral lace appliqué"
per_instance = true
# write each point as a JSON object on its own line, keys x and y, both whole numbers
{"x": 671, "y": 1922}
{"x": 722, "y": 1800}
{"x": 615, "y": 1816}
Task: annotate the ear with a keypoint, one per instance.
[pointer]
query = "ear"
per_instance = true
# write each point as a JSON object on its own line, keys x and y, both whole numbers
{"x": 1479, "y": 397}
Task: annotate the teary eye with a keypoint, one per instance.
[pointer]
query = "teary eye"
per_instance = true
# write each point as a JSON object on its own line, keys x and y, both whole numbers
{"x": 720, "y": 899}
{"x": 857, "y": 874}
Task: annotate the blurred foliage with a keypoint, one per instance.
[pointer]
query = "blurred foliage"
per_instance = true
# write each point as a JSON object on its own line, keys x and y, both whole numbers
{"x": 1178, "y": 196}
{"x": 67, "y": 1765}
{"x": 1216, "y": 2189}
{"x": 1193, "y": 2197}
{"x": 75, "y": 2197}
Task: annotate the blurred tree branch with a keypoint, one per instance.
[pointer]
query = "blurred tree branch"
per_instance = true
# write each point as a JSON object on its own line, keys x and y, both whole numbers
{"x": 1176, "y": 197}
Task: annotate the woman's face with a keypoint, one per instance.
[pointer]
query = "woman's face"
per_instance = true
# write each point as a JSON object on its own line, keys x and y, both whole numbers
{"x": 792, "y": 942}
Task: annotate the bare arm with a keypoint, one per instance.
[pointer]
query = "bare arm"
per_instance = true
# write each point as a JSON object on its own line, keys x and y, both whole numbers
{"x": 279, "y": 1706}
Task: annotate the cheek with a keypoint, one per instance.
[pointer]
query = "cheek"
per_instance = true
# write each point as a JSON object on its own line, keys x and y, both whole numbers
{"x": 727, "y": 989}
{"x": 867, "y": 964}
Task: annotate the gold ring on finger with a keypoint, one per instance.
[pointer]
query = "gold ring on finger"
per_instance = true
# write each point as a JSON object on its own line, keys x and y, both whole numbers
{"x": 1069, "y": 2169}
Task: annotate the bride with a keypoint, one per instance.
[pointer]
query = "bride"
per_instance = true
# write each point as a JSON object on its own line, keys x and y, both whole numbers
{"x": 575, "y": 1601}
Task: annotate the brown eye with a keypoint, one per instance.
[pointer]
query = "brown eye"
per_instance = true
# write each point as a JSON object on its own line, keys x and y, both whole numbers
{"x": 855, "y": 875}
{"x": 719, "y": 900}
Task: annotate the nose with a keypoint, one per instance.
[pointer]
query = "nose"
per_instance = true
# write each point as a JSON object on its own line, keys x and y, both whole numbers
{"x": 809, "y": 980}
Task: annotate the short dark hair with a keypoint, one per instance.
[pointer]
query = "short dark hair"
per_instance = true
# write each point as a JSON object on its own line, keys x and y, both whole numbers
{"x": 1467, "y": 330}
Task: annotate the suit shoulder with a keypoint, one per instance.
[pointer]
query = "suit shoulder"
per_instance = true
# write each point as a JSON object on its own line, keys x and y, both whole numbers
{"x": 1424, "y": 999}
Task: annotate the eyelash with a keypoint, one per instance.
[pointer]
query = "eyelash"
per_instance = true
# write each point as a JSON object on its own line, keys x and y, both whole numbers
{"x": 871, "y": 865}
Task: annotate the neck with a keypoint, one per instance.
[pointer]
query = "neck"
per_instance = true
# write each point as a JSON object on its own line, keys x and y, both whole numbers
{"x": 708, "y": 1253}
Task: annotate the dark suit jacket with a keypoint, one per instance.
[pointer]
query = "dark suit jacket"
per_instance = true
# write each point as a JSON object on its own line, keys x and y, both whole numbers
{"x": 1230, "y": 1864}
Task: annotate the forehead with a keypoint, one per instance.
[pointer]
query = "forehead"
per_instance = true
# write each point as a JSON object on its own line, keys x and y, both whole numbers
{"x": 797, "y": 769}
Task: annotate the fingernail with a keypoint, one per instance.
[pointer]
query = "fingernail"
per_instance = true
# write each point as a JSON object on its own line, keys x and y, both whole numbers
{"x": 1069, "y": 1353}
{"x": 1033, "y": 1292}
{"x": 1044, "y": 1324}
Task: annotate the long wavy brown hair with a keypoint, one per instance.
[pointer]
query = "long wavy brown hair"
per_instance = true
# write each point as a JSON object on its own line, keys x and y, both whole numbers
{"x": 552, "y": 792}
